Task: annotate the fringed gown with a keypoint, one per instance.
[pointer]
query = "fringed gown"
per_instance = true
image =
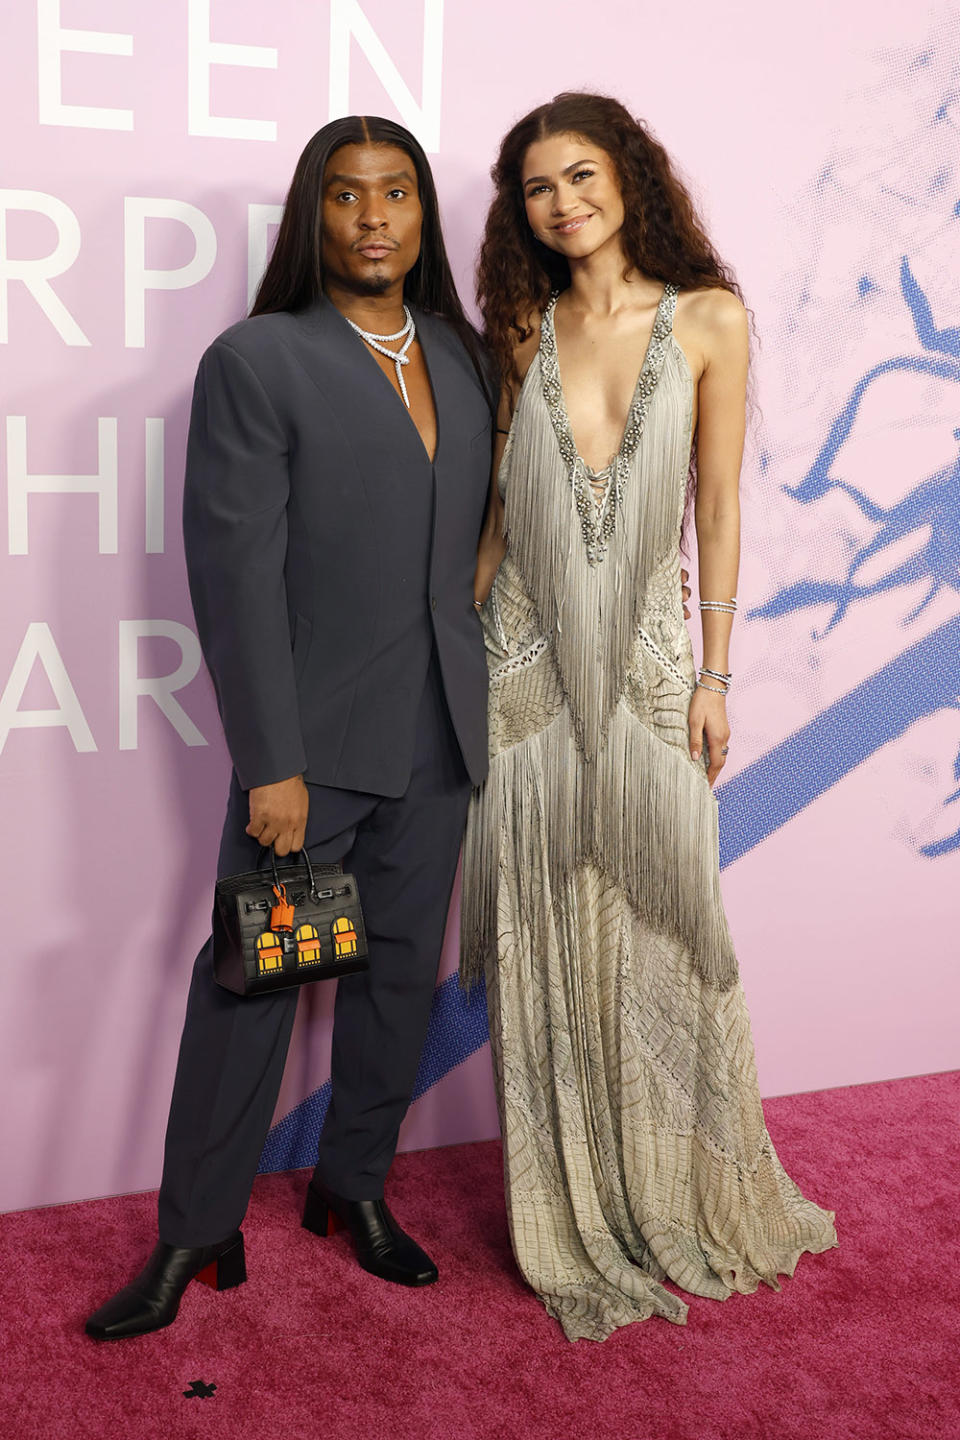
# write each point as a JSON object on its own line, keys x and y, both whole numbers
{"x": 635, "y": 1148}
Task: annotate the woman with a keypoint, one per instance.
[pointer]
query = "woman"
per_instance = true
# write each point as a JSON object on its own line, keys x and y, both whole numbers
{"x": 634, "y": 1141}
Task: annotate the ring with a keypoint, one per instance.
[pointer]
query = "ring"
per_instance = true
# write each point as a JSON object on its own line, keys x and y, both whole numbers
{"x": 725, "y": 750}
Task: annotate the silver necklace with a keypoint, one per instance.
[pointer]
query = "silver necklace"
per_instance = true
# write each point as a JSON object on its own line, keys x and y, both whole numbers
{"x": 399, "y": 357}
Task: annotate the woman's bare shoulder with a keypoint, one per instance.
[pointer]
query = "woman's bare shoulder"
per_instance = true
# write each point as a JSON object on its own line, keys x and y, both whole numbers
{"x": 712, "y": 326}
{"x": 713, "y": 311}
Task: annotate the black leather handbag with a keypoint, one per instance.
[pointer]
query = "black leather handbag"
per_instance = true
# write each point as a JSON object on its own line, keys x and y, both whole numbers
{"x": 286, "y": 926}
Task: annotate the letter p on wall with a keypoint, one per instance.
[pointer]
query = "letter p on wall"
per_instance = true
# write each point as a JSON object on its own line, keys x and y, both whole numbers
{"x": 138, "y": 279}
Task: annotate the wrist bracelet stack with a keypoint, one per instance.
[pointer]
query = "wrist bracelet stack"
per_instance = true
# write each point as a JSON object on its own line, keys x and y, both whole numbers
{"x": 725, "y": 607}
{"x": 725, "y": 680}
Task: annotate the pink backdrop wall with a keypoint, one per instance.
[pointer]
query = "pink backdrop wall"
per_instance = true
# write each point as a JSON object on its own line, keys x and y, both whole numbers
{"x": 145, "y": 150}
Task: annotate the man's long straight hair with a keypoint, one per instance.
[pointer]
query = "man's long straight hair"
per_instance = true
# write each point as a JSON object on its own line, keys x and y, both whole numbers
{"x": 294, "y": 277}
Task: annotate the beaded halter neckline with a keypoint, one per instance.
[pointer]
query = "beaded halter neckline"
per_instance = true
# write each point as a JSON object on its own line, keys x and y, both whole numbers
{"x": 598, "y": 518}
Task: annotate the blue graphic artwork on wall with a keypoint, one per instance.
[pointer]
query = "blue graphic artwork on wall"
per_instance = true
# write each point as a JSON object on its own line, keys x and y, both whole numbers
{"x": 925, "y": 678}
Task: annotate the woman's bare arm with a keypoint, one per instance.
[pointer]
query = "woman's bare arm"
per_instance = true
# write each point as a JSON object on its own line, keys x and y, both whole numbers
{"x": 721, "y": 322}
{"x": 493, "y": 544}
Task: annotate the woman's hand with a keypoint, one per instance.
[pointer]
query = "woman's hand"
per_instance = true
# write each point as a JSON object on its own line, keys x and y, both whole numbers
{"x": 708, "y": 723}
{"x": 492, "y": 549}
{"x": 278, "y": 814}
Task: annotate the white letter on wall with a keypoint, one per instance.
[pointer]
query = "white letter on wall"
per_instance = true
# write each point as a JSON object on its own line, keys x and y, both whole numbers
{"x": 154, "y": 486}
{"x": 51, "y": 43}
{"x": 346, "y": 20}
{"x": 202, "y": 52}
{"x": 20, "y": 485}
{"x": 137, "y": 279}
{"x": 160, "y": 687}
{"x": 38, "y": 644}
{"x": 259, "y": 220}
{"x": 35, "y": 274}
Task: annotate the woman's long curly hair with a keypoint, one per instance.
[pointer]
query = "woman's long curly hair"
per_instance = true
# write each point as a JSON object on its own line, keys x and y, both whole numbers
{"x": 661, "y": 235}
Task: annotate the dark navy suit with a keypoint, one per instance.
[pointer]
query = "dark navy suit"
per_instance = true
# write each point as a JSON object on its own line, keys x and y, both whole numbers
{"x": 331, "y": 570}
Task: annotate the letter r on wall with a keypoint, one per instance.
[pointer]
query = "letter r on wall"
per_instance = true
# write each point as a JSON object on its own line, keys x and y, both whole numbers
{"x": 160, "y": 688}
{"x": 37, "y": 272}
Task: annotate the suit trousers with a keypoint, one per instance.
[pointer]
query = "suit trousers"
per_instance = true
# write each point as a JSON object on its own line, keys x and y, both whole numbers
{"x": 404, "y": 855}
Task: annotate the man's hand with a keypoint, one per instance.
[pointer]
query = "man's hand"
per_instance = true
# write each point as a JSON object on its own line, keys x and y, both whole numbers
{"x": 278, "y": 814}
{"x": 685, "y": 592}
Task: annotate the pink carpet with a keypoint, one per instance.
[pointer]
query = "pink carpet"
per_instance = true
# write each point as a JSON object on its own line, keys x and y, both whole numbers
{"x": 863, "y": 1344}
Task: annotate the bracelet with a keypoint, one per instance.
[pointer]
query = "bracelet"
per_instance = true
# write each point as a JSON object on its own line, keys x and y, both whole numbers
{"x": 715, "y": 688}
{"x": 726, "y": 607}
{"x": 478, "y": 604}
{"x": 716, "y": 675}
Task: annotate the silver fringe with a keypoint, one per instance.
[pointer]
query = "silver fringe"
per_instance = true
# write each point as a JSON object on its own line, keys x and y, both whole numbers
{"x": 590, "y": 594}
{"x": 592, "y": 783}
{"x": 643, "y": 814}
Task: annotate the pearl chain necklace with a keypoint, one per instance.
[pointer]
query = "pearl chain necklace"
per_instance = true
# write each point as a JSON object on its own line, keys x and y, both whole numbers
{"x": 399, "y": 357}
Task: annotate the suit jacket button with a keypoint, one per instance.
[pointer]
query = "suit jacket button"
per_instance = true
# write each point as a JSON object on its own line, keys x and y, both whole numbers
{"x": 433, "y": 602}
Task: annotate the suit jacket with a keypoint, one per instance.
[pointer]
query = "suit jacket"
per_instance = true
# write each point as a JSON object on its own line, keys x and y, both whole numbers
{"x": 327, "y": 555}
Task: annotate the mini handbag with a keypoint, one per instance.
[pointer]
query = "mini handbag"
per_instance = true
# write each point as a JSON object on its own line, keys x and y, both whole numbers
{"x": 286, "y": 926}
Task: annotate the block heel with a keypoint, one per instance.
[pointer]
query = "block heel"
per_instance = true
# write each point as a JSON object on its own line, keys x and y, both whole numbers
{"x": 228, "y": 1269}
{"x": 318, "y": 1216}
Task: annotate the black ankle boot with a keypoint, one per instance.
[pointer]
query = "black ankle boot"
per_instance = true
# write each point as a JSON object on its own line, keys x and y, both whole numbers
{"x": 152, "y": 1299}
{"x": 382, "y": 1247}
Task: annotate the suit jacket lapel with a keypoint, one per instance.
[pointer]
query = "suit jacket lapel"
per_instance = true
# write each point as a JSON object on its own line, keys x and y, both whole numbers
{"x": 462, "y": 410}
{"x": 343, "y": 369}
{"x": 432, "y": 343}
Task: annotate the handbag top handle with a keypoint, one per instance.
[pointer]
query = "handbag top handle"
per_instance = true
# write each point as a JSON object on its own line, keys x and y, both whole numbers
{"x": 305, "y": 856}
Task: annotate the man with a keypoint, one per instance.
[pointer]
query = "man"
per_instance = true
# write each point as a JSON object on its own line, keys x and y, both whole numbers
{"x": 334, "y": 495}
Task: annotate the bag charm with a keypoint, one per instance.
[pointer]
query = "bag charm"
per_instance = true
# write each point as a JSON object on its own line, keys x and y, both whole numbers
{"x": 270, "y": 944}
{"x": 281, "y": 915}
